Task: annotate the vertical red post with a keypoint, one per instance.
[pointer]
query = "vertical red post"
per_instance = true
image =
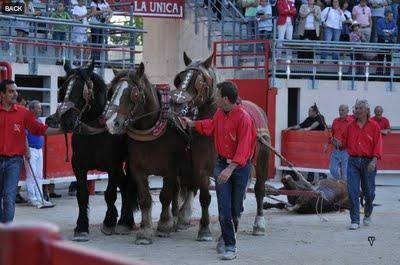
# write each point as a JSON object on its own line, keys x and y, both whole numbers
{"x": 91, "y": 187}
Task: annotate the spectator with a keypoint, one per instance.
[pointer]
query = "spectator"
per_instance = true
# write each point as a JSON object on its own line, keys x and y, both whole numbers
{"x": 357, "y": 36}
{"x": 377, "y": 12}
{"x": 310, "y": 19}
{"x": 387, "y": 33}
{"x": 250, "y": 14}
{"x": 383, "y": 122}
{"x": 339, "y": 157}
{"x": 22, "y": 29}
{"x": 35, "y": 158}
{"x": 59, "y": 31}
{"x": 345, "y": 33}
{"x": 332, "y": 19}
{"x": 79, "y": 34}
{"x": 314, "y": 122}
{"x": 264, "y": 18}
{"x": 18, "y": 198}
{"x": 362, "y": 13}
{"x": 286, "y": 16}
{"x": 15, "y": 119}
{"x": 100, "y": 13}
{"x": 363, "y": 141}
{"x": 395, "y": 9}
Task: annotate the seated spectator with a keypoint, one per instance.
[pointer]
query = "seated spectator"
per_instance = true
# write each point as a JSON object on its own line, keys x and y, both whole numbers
{"x": 332, "y": 19}
{"x": 264, "y": 19}
{"x": 383, "y": 122}
{"x": 362, "y": 13}
{"x": 79, "y": 34}
{"x": 377, "y": 12}
{"x": 314, "y": 122}
{"x": 345, "y": 33}
{"x": 59, "y": 31}
{"x": 387, "y": 33}
{"x": 310, "y": 19}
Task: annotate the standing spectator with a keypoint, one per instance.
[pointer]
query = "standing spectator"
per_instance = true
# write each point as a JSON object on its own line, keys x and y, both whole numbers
{"x": 387, "y": 33}
{"x": 286, "y": 17}
{"x": 310, "y": 19}
{"x": 345, "y": 33}
{"x": 357, "y": 36}
{"x": 232, "y": 168}
{"x": 264, "y": 18}
{"x": 35, "y": 158}
{"x": 250, "y": 15}
{"x": 22, "y": 29}
{"x": 100, "y": 13}
{"x": 383, "y": 122}
{"x": 79, "y": 34}
{"x": 339, "y": 157}
{"x": 377, "y": 12}
{"x": 362, "y": 13}
{"x": 15, "y": 119}
{"x": 332, "y": 19}
{"x": 215, "y": 6}
{"x": 60, "y": 31}
{"x": 18, "y": 198}
{"x": 395, "y": 9}
{"x": 363, "y": 141}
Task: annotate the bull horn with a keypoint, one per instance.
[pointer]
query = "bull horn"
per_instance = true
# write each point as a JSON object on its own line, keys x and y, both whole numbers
{"x": 67, "y": 67}
{"x": 186, "y": 59}
{"x": 207, "y": 63}
{"x": 140, "y": 70}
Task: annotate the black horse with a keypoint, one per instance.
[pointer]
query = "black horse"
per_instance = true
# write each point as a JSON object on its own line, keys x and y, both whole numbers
{"x": 83, "y": 99}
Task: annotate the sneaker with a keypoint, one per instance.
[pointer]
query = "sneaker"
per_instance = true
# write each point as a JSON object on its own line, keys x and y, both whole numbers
{"x": 36, "y": 204}
{"x": 220, "y": 245}
{"x": 367, "y": 221}
{"x": 354, "y": 226}
{"x": 229, "y": 255}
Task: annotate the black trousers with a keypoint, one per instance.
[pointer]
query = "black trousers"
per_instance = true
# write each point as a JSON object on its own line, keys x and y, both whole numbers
{"x": 308, "y": 35}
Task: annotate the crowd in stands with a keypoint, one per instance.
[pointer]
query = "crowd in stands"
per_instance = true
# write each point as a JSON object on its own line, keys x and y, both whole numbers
{"x": 98, "y": 11}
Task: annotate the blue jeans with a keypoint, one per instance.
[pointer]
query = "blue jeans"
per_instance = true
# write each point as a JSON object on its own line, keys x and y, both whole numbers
{"x": 10, "y": 168}
{"x": 357, "y": 171}
{"x": 338, "y": 165}
{"x": 230, "y": 197}
{"x": 331, "y": 34}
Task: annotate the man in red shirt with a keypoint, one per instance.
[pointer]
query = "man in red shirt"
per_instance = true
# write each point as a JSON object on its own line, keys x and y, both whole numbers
{"x": 14, "y": 119}
{"x": 340, "y": 157}
{"x": 235, "y": 137}
{"x": 363, "y": 141}
{"x": 382, "y": 121}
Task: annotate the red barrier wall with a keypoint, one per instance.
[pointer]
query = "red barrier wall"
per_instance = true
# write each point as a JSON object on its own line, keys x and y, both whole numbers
{"x": 305, "y": 149}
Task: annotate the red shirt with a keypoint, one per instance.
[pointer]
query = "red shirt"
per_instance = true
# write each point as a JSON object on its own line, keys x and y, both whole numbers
{"x": 234, "y": 134}
{"x": 365, "y": 141}
{"x": 12, "y": 129}
{"x": 383, "y": 122}
{"x": 286, "y": 8}
{"x": 339, "y": 125}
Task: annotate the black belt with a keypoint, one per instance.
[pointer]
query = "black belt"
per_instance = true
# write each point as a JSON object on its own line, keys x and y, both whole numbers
{"x": 35, "y": 147}
{"x": 224, "y": 159}
{"x": 363, "y": 157}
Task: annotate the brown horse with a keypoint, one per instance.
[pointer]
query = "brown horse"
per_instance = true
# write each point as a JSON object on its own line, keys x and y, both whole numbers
{"x": 155, "y": 147}
{"x": 199, "y": 80}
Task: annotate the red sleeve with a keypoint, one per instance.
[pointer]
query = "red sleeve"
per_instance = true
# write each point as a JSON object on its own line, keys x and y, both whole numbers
{"x": 33, "y": 126}
{"x": 205, "y": 127}
{"x": 378, "y": 147}
{"x": 343, "y": 137}
{"x": 246, "y": 135}
{"x": 293, "y": 11}
{"x": 387, "y": 124}
{"x": 282, "y": 9}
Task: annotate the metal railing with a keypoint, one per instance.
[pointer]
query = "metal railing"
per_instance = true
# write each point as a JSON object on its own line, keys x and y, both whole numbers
{"x": 51, "y": 41}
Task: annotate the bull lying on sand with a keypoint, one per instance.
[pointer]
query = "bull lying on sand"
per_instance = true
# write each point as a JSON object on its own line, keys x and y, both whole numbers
{"x": 332, "y": 196}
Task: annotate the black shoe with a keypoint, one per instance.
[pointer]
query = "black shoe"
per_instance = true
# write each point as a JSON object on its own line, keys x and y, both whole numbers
{"x": 19, "y": 199}
{"x": 46, "y": 196}
{"x": 55, "y": 195}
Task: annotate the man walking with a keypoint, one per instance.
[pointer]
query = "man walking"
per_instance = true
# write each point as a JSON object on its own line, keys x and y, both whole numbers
{"x": 363, "y": 141}
{"x": 340, "y": 157}
{"x": 235, "y": 137}
{"x": 14, "y": 119}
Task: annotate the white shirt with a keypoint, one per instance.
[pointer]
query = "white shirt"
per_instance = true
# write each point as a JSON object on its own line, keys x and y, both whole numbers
{"x": 332, "y": 18}
{"x": 101, "y": 6}
{"x": 309, "y": 21}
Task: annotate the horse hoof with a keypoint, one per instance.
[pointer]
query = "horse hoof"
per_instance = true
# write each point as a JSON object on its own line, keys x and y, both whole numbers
{"x": 143, "y": 241}
{"x": 108, "y": 231}
{"x": 204, "y": 238}
{"x": 123, "y": 230}
{"x": 257, "y": 231}
{"x": 182, "y": 226}
{"x": 163, "y": 234}
{"x": 204, "y": 235}
{"x": 81, "y": 237}
{"x": 259, "y": 226}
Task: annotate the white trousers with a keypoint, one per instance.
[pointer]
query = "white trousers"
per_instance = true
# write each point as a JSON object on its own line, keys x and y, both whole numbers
{"x": 36, "y": 160}
{"x": 285, "y": 31}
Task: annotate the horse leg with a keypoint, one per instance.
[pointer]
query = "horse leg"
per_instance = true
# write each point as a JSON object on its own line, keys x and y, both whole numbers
{"x": 176, "y": 193}
{"x": 81, "y": 232}
{"x": 110, "y": 196}
{"x": 145, "y": 235}
{"x": 261, "y": 172}
{"x": 166, "y": 224}
{"x": 129, "y": 203}
{"x": 204, "y": 233}
{"x": 279, "y": 205}
{"x": 185, "y": 211}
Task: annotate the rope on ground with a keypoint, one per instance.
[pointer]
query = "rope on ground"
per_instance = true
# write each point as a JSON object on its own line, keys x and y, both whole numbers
{"x": 319, "y": 214}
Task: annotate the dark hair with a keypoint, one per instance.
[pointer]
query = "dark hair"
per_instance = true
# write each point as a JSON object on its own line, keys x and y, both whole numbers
{"x": 4, "y": 84}
{"x": 229, "y": 90}
{"x": 20, "y": 98}
{"x": 315, "y": 108}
